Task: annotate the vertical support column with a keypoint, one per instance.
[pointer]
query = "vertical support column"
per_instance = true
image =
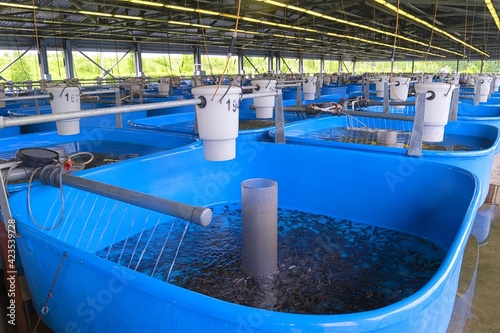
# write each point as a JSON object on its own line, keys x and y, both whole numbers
{"x": 453, "y": 116}
{"x": 278, "y": 63}
{"x": 385, "y": 102}
{"x": 415, "y": 147}
{"x": 197, "y": 60}
{"x": 458, "y": 65}
{"x": 339, "y": 67}
{"x": 43, "y": 61}
{"x": 270, "y": 62}
{"x": 322, "y": 64}
{"x": 482, "y": 66}
{"x": 477, "y": 91}
{"x": 412, "y": 65}
{"x": 138, "y": 60}
{"x": 354, "y": 63}
{"x": 279, "y": 119}
{"x": 241, "y": 67}
{"x": 68, "y": 59}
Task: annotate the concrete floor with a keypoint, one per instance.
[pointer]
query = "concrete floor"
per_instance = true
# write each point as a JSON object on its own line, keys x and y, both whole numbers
{"x": 476, "y": 308}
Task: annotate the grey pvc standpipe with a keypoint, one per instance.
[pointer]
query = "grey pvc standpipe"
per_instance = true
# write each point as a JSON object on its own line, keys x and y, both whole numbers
{"x": 259, "y": 214}
{"x": 197, "y": 214}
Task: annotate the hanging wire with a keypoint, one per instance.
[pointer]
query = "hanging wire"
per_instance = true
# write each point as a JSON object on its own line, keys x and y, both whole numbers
{"x": 28, "y": 197}
{"x": 396, "y": 31}
{"x": 162, "y": 247}
{"x": 205, "y": 45}
{"x": 60, "y": 36}
{"x": 35, "y": 29}
{"x": 177, "y": 251}
{"x": 230, "y": 53}
{"x": 432, "y": 30}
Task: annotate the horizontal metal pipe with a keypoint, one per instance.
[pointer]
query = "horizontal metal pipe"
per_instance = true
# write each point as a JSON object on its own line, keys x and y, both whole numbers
{"x": 197, "y": 214}
{"x": 9, "y": 122}
{"x": 23, "y": 98}
{"x": 257, "y": 95}
{"x": 249, "y": 87}
{"x": 294, "y": 81}
{"x": 288, "y": 85}
{"x": 200, "y": 215}
{"x": 99, "y": 92}
{"x": 378, "y": 115}
{"x": 393, "y": 103}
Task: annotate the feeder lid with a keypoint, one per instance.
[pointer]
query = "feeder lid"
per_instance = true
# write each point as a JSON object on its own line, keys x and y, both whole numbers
{"x": 36, "y": 157}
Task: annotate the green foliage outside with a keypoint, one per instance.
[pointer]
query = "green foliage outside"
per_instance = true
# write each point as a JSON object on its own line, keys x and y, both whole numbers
{"x": 156, "y": 65}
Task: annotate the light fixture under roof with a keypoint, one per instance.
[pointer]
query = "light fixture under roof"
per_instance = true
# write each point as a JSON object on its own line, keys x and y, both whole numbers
{"x": 17, "y": 5}
{"x": 493, "y": 12}
{"x": 428, "y": 25}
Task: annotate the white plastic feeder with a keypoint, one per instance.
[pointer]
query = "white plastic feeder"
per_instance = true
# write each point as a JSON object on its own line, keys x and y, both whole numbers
{"x": 454, "y": 79}
{"x": 218, "y": 120}
{"x": 264, "y": 105}
{"x": 399, "y": 89}
{"x": 437, "y": 108}
{"x": 135, "y": 84}
{"x": 237, "y": 80}
{"x": 164, "y": 86}
{"x": 327, "y": 79}
{"x": 471, "y": 81}
{"x": 427, "y": 78}
{"x": 497, "y": 82}
{"x": 309, "y": 87}
{"x": 197, "y": 81}
{"x": 387, "y": 137}
{"x": 484, "y": 88}
{"x": 29, "y": 85}
{"x": 65, "y": 99}
{"x": 379, "y": 84}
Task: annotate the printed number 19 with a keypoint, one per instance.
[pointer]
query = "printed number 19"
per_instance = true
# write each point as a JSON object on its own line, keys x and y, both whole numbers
{"x": 235, "y": 105}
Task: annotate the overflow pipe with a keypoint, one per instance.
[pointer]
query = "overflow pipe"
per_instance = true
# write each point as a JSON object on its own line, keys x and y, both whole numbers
{"x": 259, "y": 226}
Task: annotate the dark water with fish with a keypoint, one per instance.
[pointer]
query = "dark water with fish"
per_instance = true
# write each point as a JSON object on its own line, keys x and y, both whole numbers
{"x": 326, "y": 265}
{"x": 451, "y": 142}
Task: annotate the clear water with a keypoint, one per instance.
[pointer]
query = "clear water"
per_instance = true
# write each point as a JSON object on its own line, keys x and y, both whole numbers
{"x": 326, "y": 265}
{"x": 451, "y": 142}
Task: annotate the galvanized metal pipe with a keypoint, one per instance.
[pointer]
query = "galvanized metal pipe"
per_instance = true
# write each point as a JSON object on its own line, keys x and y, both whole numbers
{"x": 9, "y": 122}
{"x": 284, "y": 85}
{"x": 197, "y": 214}
{"x": 99, "y": 92}
{"x": 23, "y": 98}
{"x": 257, "y": 95}
{"x": 379, "y": 115}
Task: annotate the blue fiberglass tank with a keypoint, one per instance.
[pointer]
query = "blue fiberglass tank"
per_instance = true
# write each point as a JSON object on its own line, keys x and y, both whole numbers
{"x": 108, "y": 145}
{"x": 466, "y": 145}
{"x": 348, "y": 186}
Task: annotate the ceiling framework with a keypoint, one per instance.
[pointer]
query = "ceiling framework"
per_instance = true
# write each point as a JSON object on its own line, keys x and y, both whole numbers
{"x": 369, "y": 29}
